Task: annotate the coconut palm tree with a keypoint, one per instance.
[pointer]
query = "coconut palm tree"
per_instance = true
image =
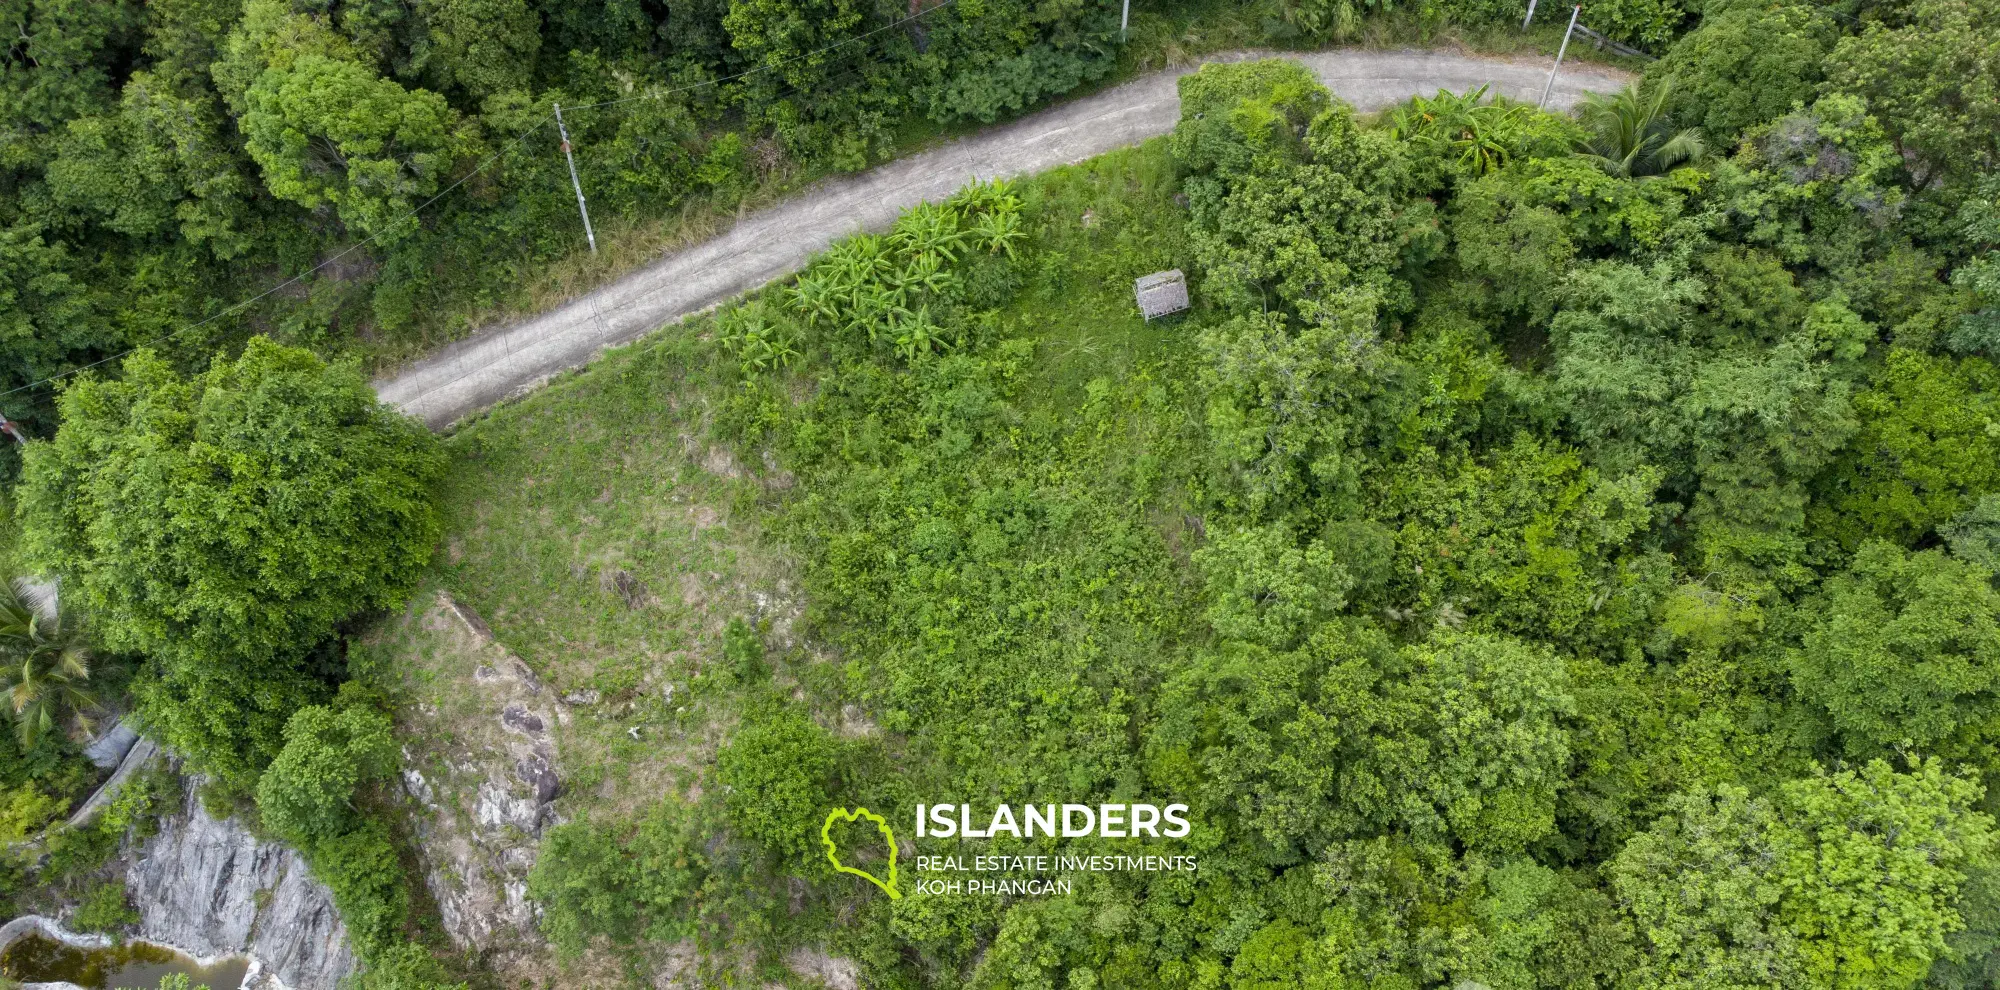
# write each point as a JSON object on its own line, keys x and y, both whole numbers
{"x": 1630, "y": 135}
{"x": 44, "y": 661}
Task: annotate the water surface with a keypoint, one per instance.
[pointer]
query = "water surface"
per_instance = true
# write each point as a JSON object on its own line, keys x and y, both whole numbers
{"x": 36, "y": 958}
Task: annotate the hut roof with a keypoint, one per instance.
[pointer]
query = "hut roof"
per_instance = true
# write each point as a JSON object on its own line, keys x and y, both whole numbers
{"x": 1161, "y": 293}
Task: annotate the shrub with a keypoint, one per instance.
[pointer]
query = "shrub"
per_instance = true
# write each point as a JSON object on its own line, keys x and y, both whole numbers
{"x": 779, "y": 771}
{"x": 103, "y": 909}
{"x": 307, "y": 793}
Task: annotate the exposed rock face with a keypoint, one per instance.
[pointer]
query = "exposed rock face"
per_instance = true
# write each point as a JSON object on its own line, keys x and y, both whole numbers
{"x": 832, "y": 972}
{"x": 110, "y": 747}
{"x": 210, "y": 888}
{"x": 485, "y": 796}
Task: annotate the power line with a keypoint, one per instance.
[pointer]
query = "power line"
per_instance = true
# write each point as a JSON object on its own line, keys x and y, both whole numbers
{"x": 245, "y": 305}
{"x": 597, "y": 313}
{"x": 484, "y": 164}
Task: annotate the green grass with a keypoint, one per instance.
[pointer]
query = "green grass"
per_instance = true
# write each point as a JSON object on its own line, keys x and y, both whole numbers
{"x": 606, "y": 538}
{"x": 628, "y": 468}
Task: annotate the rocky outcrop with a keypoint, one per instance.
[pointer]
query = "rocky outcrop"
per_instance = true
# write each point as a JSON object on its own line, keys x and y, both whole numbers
{"x": 111, "y": 745}
{"x": 482, "y": 774}
{"x": 210, "y": 888}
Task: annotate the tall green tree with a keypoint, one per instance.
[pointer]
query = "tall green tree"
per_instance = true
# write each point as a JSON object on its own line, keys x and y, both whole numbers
{"x": 1904, "y": 647}
{"x": 1846, "y": 880}
{"x": 1922, "y": 454}
{"x": 328, "y": 131}
{"x": 225, "y": 524}
{"x": 1749, "y": 63}
{"x": 307, "y": 793}
{"x": 484, "y": 46}
{"x": 61, "y": 62}
{"x": 1930, "y": 71}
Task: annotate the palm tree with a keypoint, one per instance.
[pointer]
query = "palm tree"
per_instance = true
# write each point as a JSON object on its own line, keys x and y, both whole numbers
{"x": 1630, "y": 135}
{"x": 44, "y": 662}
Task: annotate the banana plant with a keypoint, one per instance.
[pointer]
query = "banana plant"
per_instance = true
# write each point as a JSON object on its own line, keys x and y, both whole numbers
{"x": 998, "y": 231}
{"x": 991, "y": 196}
{"x": 875, "y": 313}
{"x": 854, "y": 263}
{"x": 1481, "y": 134}
{"x": 916, "y": 333}
{"x": 1483, "y": 140}
{"x": 925, "y": 274}
{"x": 817, "y": 297}
{"x": 768, "y": 346}
{"x": 757, "y": 341}
{"x": 929, "y": 229}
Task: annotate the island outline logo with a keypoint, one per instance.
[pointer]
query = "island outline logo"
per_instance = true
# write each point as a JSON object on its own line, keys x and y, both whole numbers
{"x": 833, "y": 849}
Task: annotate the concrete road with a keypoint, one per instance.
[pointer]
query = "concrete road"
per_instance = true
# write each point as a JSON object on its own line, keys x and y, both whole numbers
{"x": 506, "y": 360}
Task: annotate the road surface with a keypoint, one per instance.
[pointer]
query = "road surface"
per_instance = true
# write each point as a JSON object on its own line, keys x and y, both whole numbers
{"x": 506, "y": 360}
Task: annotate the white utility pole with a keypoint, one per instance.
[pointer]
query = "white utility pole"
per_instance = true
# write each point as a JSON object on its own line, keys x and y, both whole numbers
{"x": 1530, "y": 17}
{"x": 578, "y": 185}
{"x": 1546, "y": 90}
{"x": 1124, "y": 19}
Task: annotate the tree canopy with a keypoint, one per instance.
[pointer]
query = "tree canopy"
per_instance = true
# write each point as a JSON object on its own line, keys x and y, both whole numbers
{"x": 226, "y": 524}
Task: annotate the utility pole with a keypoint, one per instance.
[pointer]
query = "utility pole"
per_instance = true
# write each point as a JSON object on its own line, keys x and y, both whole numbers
{"x": 1546, "y": 90}
{"x": 1530, "y": 17}
{"x": 1124, "y": 19}
{"x": 578, "y": 185}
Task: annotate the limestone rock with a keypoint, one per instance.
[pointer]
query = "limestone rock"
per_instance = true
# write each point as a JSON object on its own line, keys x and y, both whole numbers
{"x": 210, "y": 888}
{"x": 832, "y": 972}
{"x": 483, "y": 776}
{"x": 109, "y": 749}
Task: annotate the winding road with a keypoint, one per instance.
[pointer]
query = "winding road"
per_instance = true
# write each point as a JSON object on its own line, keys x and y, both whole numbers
{"x": 509, "y": 359}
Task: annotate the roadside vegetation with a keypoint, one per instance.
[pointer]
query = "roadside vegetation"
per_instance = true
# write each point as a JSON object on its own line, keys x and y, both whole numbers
{"x": 1554, "y": 551}
{"x": 165, "y": 162}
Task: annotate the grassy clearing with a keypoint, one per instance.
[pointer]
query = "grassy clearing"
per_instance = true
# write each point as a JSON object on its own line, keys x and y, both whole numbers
{"x": 606, "y": 531}
{"x": 607, "y": 528}
{"x": 605, "y": 538}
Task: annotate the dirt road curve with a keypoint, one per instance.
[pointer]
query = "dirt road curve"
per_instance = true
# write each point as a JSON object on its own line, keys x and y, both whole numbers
{"x": 506, "y": 360}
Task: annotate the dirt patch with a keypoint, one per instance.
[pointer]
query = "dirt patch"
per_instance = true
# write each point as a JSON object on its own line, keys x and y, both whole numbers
{"x": 829, "y": 971}
{"x": 721, "y": 463}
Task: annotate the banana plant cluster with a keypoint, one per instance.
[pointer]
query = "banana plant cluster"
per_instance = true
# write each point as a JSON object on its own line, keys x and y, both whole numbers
{"x": 756, "y": 340}
{"x": 1482, "y": 135}
{"x": 890, "y": 288}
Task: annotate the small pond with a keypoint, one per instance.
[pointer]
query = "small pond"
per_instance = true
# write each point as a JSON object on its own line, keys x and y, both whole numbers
{"x": 36, "y": 958}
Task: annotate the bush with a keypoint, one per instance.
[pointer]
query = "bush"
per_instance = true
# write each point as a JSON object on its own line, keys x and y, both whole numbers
{"x": 582, "y": 879}
{"x": 406, "y": 967}
{"x": 743, "y": 652}
{"x": 779, "y": 771}
{"x": 307, "y": 793}
{"x": 103, "y": 909}
{"x": 673, "y": 878}
{"x": 366, "y": 877}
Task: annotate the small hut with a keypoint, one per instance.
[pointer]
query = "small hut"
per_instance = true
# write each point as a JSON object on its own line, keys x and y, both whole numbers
{"x": 1161, "y": 293}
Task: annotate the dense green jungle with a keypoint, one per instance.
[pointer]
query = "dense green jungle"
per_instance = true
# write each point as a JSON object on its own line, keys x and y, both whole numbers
{"x": 1555, "y": 550}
